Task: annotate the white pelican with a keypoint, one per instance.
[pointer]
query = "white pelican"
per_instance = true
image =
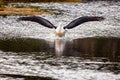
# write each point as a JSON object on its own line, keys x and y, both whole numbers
{"x": 60, "y": 30}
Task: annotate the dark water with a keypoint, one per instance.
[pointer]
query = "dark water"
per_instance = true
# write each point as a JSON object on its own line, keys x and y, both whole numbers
{"x": 86, "y": 47}
{"x": 98, "y": 47}
{"x": 24, "y": 45}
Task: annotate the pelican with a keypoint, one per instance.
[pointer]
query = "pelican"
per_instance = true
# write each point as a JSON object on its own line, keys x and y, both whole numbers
{"x": 61, "y": 30}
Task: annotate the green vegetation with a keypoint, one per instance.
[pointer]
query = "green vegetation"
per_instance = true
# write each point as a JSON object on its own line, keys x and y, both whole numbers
{"x": 18, "y": 9}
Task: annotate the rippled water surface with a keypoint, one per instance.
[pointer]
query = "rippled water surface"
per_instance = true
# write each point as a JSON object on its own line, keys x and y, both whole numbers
{"x": 91, "y": 51}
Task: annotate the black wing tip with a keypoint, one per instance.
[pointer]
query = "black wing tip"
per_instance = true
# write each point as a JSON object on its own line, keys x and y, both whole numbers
{"x": 99, "y": 18}
{"x": 95, "y": 18}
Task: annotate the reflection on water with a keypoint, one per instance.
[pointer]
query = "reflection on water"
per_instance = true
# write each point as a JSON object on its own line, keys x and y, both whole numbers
{"x": 86, "y": 47}
{"x": 59, "y": 47}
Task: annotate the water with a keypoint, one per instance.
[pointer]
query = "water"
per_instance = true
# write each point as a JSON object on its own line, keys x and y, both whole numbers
{"x": 91, "y": 51}
{"x": 25, "y": 57}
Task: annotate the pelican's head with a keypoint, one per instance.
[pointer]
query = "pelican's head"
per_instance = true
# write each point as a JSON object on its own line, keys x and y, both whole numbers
{"x": 60, "y": 31}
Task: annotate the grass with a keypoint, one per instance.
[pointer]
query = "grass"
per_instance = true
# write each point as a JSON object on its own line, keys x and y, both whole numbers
{"x": 6, "y": 9}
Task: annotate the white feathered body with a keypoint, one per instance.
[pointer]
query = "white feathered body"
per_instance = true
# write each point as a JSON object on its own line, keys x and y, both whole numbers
{"x": 60, "y": 32}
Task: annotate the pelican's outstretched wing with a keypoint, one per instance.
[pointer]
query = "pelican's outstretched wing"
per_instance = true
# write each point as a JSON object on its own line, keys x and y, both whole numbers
{"x": 81, "y": 20}
{"x": 39, "y": 20}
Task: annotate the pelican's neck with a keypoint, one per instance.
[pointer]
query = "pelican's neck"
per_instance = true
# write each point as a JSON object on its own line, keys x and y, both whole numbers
{"x": 59, "y": 28}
